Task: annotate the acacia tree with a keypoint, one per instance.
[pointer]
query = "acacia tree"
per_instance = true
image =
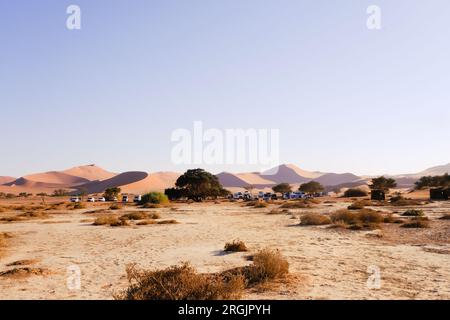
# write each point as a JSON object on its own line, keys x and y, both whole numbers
{"x": 311, "y": 187}
{"x": 433, "y": 181}
{"x": 112, "y": 193}
{"x": 383, "y": 183}
{"x": 282, "y": 188}
{"x": 198, "y": 184}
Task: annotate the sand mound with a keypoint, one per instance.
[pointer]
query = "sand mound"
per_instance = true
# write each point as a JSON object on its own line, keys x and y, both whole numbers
{"x": 4, "y": 180}
{"x": 154, "y": 182}
{"x": 120, "y": 180}
{"x": 50, "y": 179}
{"x": 90, "y": 172}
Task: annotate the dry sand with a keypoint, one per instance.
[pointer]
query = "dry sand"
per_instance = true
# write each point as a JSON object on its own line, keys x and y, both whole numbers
{"x": 324, "y": 263}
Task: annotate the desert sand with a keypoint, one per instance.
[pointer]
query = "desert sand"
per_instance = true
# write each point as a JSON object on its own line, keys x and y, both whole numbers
{"x": 324, "y": 263}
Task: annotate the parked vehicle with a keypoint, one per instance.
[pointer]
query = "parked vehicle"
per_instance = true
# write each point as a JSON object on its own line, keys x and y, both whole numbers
{"x": 124, "y": 198}
{"x": 137, "y": 198}
{"x": 75, "y": 199}
{"x": 260, "y": 194}
{"x": 101, "y": 199}
{"x": 238, "y": 196}
{"x": 91, "y": 199}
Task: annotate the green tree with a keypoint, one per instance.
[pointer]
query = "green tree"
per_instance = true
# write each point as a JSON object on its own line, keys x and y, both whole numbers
{"x": 60, "y": 193}
{"x": 198, "y": 184}
{"x": 311, "y": 187}
{"x": 433, "y": 181}
{"x": 282, "y": 188}
{"x": 382, "y": 183}
{"x": 112, "y": 193}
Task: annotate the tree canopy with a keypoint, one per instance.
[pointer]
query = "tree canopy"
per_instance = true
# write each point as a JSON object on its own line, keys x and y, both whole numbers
{"x": 433, "y": 181}
{"x": 383, "y": 183}
{"x": 311, "y": 187}
{"x": 198, "y": 184}
{"x": 282, "y": 188}
{"x": 112, "y": 193}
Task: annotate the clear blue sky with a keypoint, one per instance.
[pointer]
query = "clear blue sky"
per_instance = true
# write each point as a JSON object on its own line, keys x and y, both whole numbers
{"x": 346, "y": 99}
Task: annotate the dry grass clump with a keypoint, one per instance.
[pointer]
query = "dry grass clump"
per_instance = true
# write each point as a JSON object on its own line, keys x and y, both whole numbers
{"x": 11, "y": 218}
{"x": 276, "y": 211}
{"x": 112, "y": 221}
{"x": 181, "y": 282}
{"x": 260, "y": 204}
{"x": 389, "y": 218}
{"x": 295, "y": 205}
{"x": 115, "y": 206}
{"x": 167, "y": 222}
{"x": 24, "y": 262}
{"x": 75, "y": 206}
{"x": 145, "y": 222}
{"x": 33, "y": 215}
{"x": 365, "y": 219}
{"x": 360, "y": 204}
{"x": 312, "y": 219}
{"x": 24, "y": 272}
{"x": 235, "y": 246}
{"x": 267, "y": 265}
{"x": 400, "y": 201}
{"x": 140, "y": 215}
{"x": 417, "y": 222}
{"x": 413, "y": 213}
{"x": 445, "y": 217}
{"x": 149, "y": 205}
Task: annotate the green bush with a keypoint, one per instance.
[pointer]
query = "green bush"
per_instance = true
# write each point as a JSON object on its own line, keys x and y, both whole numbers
{"x": 350, "y": 193}
{"x": 154, "y": 198}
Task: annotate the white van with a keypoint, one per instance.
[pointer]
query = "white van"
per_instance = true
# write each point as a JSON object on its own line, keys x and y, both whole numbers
{"x": 137, "y": 198}
{"x": 91, "y": 199}
{"x": 75, "y": 199}
{"x": 124, "y": 198}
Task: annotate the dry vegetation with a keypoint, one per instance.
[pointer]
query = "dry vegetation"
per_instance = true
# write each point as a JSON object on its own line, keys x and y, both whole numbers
{"x": 235, "y": 246}
{"x": 417, "y": 222}
{"x": 314, "y": 219}
{"x": 183, "y": 282}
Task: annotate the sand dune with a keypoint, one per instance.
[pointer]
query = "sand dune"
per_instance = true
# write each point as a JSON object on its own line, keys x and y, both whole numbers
{"x": 90, "y": 172}
{"x": 136, "y": 182}
{"x": 332, "y": 179}
{"x": 285, "y": 173}
{"x": 51, "y": 179}
{"x": 4, "y": 180}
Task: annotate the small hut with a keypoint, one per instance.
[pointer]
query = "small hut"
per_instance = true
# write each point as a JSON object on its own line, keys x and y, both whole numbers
{"x": 439, "y": 194}
{"x": 379, "y": 195}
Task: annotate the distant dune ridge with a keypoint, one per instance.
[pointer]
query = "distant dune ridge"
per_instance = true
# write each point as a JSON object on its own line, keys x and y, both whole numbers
{"x": 94, "y": 179}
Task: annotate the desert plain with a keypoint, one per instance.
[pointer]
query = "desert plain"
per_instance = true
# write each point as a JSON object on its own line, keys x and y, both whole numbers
{"x": 41, "y": 242}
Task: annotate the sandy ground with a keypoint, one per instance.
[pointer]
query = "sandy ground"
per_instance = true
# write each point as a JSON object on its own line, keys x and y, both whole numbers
{"x": 325, "y": 263}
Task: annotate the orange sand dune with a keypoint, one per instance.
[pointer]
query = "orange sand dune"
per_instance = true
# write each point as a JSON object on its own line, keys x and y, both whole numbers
{"x": 51, "y": 179}
{"x": 135, "y": 182}
{"x": 4, "y": 180}
{"x": 90, "y": 172}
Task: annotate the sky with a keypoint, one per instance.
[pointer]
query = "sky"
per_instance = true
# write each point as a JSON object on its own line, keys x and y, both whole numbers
{"x": 344, "y": 98}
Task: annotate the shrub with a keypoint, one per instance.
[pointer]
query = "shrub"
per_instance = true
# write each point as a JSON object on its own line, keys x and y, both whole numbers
{"x": 350, "y": 193}
{"x": 145, "y": 222}
{"x": 312, "y": 219}
{"x": 139, "y": 215}
{"x": 260, "y": 204}
{"x": 267, "y": 265}
{"x": 413, "y": 213}
{"x": 295, "y": 205}
{"x": 235, "y": 246}
{"x": 344, "y": 216}
{"x": 109, "y": 220}
{"x": 180, "y": 283}
{"x": 445, "y": 217}
{"x": 154, "y": 198}
{"x": 399, "y": 201}
{"x": 358, "y": 205}
{"x": 391, "y": 219}
{"x": 115, "y": 206}
{"x": 275, "y": 211}
{"x": 167, "y": 222}
{"x": 370, "y": 216}
{"x": 417, "y": 222}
